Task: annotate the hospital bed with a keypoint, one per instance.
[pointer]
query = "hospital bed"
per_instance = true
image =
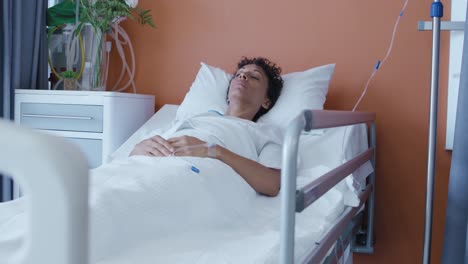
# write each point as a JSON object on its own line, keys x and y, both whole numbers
{"x": 296, "y": 200}
{"x": 63, "y": 177}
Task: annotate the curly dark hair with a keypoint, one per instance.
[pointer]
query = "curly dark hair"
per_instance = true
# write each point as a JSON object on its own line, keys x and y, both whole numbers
{"x": 275, "y": 82}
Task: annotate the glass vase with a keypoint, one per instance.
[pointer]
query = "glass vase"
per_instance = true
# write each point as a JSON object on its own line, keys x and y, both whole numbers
{"x": 94, "y": 77}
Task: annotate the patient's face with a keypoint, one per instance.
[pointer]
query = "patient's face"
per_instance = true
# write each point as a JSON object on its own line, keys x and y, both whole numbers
{"x": 249, "y": 86}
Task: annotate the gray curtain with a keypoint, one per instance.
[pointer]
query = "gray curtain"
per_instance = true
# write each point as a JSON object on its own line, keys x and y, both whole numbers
{"x": 455, "y": 248}
{"x": 23, "y": 57}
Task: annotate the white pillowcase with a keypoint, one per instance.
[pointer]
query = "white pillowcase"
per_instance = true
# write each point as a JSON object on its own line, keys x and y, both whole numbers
{"x": 208, "y": 92}
{"x": 301, "y": 90}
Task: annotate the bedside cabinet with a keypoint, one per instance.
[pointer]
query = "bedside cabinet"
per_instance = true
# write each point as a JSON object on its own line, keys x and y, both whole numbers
{"x": 97, "y": 122}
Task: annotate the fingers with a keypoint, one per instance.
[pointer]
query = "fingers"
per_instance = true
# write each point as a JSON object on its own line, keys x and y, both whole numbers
{"x": 158, "y": 149}
{"x": 188, "y": 146}
{"x": 155, "y": 146}
{"x": 187, "y": 151}
{"x": 141, "y": 151}
{"x": 193, "y": 151}
{"x": 178, "y": 142}
{"x": 179, "y": 146}
{"x": 165, "y": 143}
{"x": 155, "y": 152}
{"x": 185, "y": 141}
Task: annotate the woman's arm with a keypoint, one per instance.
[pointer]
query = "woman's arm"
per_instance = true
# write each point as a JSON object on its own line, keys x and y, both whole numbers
{"x": 262, "y": 179}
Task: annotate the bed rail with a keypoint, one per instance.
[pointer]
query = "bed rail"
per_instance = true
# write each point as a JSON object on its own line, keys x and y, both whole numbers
{"x": 314, "y": 190}
{"x": 293, "y": 200}
{"x": 325, "y": 244}
{"x": 329, "y": 118}
{"x": 54, "y": 175}
{"x": 345, "y": 240}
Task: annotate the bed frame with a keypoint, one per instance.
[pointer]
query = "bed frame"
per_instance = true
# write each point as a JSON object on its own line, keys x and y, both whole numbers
{"x": 296, "y": 200}
{"x": 59, "y": 198}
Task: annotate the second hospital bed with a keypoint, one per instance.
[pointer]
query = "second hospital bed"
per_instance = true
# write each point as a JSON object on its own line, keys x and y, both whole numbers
{"x": 327, "y": 228}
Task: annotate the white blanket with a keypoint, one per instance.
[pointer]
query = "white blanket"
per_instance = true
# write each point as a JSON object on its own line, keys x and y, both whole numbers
{"x": 147, "y": 198}
{"x": 156, "y": 210}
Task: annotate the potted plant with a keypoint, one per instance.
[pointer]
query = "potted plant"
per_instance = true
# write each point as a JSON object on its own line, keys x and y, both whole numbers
{"x": 69, "y": 80}
{"x": 96, "y": 19}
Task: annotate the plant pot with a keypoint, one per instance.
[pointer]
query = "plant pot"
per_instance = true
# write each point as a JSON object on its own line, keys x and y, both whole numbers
{"x": 69, "y": 84}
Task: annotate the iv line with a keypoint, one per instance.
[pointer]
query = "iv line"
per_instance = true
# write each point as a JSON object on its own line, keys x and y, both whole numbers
{"x": 380, "y": 63}
{"x": 376, "y": 68}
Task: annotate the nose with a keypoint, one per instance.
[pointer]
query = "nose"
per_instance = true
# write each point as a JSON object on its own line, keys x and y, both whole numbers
{"x": 242, "y": 76}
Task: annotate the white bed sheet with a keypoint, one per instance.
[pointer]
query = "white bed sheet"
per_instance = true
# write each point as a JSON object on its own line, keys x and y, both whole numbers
{"x": 255, "y": 240}
{"x": 252, "y": 240}
{"x": 126, "y": 226}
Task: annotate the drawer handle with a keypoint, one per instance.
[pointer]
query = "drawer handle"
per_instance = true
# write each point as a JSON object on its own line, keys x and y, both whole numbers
{"x": 59, "y": 117}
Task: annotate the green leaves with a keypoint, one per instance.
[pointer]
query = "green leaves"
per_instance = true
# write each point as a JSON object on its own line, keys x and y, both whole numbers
{"x": 69, "y": 74}
{"x": 144, "y": 17}
{"x": 103, "y": 12}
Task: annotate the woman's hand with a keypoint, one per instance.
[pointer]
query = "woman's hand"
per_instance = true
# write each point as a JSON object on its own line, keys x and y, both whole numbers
{"x": 154, "y": 147}
{"x": 189, "y": 146}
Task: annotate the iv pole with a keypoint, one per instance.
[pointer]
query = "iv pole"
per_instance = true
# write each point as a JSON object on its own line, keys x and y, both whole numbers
{"x": 437, "y": 10}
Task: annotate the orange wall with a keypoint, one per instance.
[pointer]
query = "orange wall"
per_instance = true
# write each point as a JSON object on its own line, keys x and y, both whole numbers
{"x": 302, "y": 34}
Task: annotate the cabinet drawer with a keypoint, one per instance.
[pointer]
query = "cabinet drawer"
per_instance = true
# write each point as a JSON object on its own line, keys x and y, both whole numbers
{"x": 91, "y": 148}
{"x": 68, "y": 117}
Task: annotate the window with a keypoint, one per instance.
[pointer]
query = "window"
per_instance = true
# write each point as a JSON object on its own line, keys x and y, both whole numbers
{"x": 456, "y": 50}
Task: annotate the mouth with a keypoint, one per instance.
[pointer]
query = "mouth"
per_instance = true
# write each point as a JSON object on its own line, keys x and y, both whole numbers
{"x": 240, "y": 84}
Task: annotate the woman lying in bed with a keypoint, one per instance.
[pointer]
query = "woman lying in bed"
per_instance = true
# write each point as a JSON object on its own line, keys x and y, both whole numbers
{"x": 154, "y": 197}
{"x": 253, "y": 90}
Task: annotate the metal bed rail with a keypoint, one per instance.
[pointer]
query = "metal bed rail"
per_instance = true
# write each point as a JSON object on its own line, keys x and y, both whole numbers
{"x": 293, "y": 200}
{"x": 314, "y": 190}
{"x": 54, "y": 174}
{"x": 319, "y": 252}
{"x": 345, "y": 240}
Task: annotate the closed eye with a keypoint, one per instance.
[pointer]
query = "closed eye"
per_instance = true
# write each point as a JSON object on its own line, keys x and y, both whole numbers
{"x": 250, "y": 75}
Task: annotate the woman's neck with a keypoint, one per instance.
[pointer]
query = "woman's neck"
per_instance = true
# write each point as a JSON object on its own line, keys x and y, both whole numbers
{"x": 241, "y": 111}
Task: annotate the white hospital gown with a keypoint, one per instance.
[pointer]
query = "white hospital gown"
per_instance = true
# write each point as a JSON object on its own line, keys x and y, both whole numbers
{"x": 258, "y": 142}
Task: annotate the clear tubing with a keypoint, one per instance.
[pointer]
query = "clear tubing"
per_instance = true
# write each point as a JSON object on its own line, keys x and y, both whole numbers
{"x": 380, "y": 64}
{"x": 132, "y": 56}
{"x": 106, "y": 73}
{"x": 122, "y": 70}
{"x": 125, "y": 67}
{"x": 377, "y": 67}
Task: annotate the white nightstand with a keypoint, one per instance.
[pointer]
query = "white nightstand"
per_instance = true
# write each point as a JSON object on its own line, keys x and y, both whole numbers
{"x": 98, "y": 122}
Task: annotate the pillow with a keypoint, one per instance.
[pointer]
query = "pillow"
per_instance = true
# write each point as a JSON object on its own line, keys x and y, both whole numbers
{"x": 301, "y": 90}
{"x": 208, "y": 92}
